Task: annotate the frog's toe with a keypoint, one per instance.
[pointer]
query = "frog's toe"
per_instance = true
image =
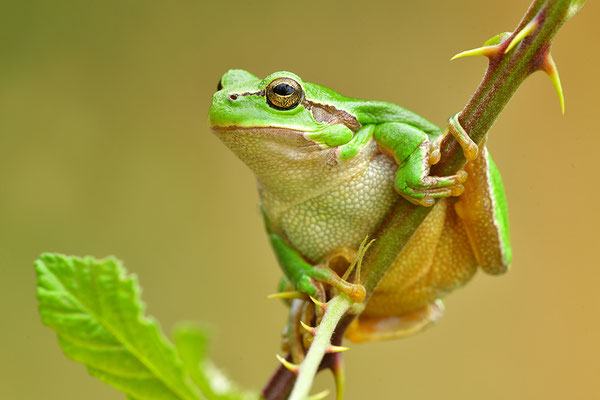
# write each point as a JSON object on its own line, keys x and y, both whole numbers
{"x": 426, "y": 197}
{"x": 469, "y": 147}
{"x": 425, "y": 192}
{"x": 355, "y": 291}
{"x": 409, "y": 184}
{"x": 435, "y": 182}
{"x": 425, "y": 201}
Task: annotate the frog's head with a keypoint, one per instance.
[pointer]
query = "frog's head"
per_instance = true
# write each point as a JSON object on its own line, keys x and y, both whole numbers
{"x": 281, "y": 101}
{"x": 279, "y": 122}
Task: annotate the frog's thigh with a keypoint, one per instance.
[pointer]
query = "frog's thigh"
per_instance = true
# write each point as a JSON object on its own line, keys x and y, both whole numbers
{"x": 482, "y": 208}
{"x": 396, "y": 292}
{"x": 409, "y": 309}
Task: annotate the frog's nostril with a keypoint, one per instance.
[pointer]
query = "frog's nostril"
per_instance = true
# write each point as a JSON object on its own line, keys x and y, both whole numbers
{"x": 232, "y": 97}
{"x": 219, "y": 86}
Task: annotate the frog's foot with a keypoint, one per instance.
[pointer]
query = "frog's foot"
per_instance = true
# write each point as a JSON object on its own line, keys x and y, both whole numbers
{"x": 469, "y": 147}
{"x": 382, "y": 328}
{"x": 313, "y": 280}
{"x": 348, "y": 262}
{"x": 355, "y": 291}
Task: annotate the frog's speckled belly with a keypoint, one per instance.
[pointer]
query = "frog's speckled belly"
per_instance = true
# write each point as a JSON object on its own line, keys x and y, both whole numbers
{"x": 342, "y": 217}
{"x": 437, "y": 259}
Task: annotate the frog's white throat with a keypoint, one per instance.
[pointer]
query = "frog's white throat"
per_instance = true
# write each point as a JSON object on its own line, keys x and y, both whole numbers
{"x": 290, "y": 168}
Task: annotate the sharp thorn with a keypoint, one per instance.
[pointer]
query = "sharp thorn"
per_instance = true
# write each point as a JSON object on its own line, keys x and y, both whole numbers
{"x": 309, "y": 329}
{"x": 286, "y": 295}
{"x": 523, "y": 33}
{"x": 336, "y": 349}
{"x": 319, "y": 396}
{"x": 486, "y": 51}
{"x": 290, "y": 366}
{"x": 549, "y": 67}
{"x": 321, "y": 305}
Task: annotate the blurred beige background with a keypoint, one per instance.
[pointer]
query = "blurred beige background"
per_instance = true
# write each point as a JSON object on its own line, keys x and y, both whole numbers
{"x": 104, "y": 149}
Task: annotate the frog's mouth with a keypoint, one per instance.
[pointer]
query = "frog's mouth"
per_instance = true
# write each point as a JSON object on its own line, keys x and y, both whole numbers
{"x": 266, "y": 133}
{"x": 249, "y": 129}
{"x": 263, "y": 137}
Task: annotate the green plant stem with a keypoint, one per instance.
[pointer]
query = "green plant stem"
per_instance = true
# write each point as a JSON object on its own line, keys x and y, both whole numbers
{"x": 504, "y": 75}
{"x": 336, "y": 308}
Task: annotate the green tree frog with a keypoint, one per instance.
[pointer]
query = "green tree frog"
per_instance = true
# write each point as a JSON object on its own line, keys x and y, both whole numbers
{"x": 330, "y": 168}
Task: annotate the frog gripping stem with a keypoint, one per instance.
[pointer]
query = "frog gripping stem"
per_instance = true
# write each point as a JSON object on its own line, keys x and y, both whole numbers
{"x": 529, "y": 52}
{"x": 470, "y": 149}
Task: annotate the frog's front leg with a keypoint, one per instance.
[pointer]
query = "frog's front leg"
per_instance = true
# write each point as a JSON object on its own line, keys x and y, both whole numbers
{"x": 412, "y": 150}
{"x": 301, "y": 273}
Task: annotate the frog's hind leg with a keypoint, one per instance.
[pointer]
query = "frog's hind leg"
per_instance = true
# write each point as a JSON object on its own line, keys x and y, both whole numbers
{"x": 482, "y": 209}
{"x": 305, "y": 276}
{"x": 382, "y": 328}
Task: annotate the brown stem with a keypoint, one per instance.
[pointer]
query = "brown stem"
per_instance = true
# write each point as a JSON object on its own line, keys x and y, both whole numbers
{"x": 504, "y": 75}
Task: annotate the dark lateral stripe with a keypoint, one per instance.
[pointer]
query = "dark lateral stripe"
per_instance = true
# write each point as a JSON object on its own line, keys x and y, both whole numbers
{"x": 337, "y": 115}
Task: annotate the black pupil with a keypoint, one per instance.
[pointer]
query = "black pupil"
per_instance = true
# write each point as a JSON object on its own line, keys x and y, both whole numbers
{"x": 283, "y": 89}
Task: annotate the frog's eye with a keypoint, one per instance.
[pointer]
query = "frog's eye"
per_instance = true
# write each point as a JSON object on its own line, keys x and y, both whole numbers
{"x": 284, "y": 93}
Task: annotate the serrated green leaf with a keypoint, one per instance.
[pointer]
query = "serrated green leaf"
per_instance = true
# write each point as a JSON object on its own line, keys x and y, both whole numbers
{"x": 95, "y": 308}
{"x": 191, "y": 341}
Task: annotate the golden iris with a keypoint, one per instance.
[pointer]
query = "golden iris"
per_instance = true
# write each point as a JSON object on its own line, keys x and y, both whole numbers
{"x": 284, "y": 93}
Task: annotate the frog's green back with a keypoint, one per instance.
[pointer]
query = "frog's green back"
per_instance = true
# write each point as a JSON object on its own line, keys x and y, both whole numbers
{"x": 369, "y": 111}
{"x": 377, "y": 112}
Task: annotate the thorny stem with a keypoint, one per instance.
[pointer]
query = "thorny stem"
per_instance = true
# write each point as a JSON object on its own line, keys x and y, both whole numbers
{"x": 504, "y": 75}
{"x": 336, "y": 308}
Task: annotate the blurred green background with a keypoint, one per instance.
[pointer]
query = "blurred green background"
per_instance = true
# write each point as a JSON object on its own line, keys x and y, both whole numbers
{"x": 105, "y": 150}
